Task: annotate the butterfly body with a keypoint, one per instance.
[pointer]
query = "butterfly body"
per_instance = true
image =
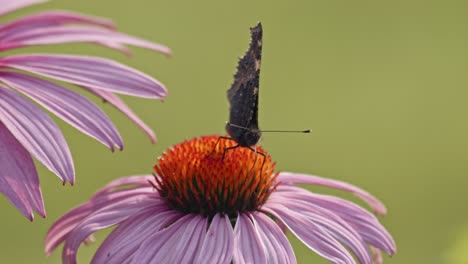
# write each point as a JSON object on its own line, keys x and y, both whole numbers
{"x": 243, "y": 94}
{"x": 244, "y": 137}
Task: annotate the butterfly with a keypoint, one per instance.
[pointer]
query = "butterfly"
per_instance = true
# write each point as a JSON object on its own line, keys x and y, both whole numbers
{"x": 243, "y": 97}
{"x": 243, "y": 94}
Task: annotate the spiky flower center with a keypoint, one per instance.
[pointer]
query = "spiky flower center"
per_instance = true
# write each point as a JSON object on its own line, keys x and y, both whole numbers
{"x": 193, "y": 177}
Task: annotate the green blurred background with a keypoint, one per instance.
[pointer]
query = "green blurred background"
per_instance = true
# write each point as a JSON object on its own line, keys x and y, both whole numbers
{"x": 383, "y": 85}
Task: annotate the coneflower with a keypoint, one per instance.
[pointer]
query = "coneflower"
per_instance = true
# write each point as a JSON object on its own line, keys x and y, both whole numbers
{"x": 201, "y": 208}
{"x": 26, "y": 131}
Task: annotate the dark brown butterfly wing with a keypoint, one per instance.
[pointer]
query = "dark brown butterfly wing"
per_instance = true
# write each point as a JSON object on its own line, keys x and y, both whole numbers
{"x": 243, "y": 94}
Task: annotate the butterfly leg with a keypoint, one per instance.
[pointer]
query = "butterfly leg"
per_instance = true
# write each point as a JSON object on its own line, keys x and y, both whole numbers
{"x": 228, "y": 148}
{"x": 216, "y": 144}
{"x": 260, "y": 153}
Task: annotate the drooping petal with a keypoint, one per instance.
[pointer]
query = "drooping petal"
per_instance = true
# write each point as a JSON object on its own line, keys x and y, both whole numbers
{"x": 52, "y": 18}
{"x": 7, "y": 6}
{"x": 104, "y": 74}
{"x": 279, "y": 249}
{"x": 249, "y": 247}
{"x": 178, "y": 243}
{"x": 218, "y": 245}
{"x": 57, "y": 18}
{"x": 19, "y": 181}
{"x": 117, "y": 46}
{"x": 377, "y": 255}
{"x": 37, "y": 133}
{"x": 60, "y": 230}
{"x": 194, "y": 237}
{"x": 125, "y": 182}
{"x": 366, "y": 224}
{"x": 328, "y": 220}
{"x": 121, "y": 245}
{"x": 71, "y": 34}
{"x": 311, "y": 234}
{"x": 70, "y": 106}
{"x": 295, "y": 178}
{"x": 104, "y": 217}
{"x": 115, "y": 101}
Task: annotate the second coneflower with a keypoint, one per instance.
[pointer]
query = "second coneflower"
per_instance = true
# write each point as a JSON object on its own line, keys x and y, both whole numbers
{"x": 200, "y": 208}
{"x": 26, "y": 130}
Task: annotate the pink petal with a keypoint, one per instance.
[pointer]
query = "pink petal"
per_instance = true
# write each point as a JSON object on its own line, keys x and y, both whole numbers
{"x": 177, "y": 243}
{"x": 59, "y": 231}
{"x": 68, "y": 105}
{"x": 71, "y": 34}
{"x": 56, "y": 18}
{"x": 115, "y": 101}
{"x": 311, "y": 234}
{"x": 37, "y": 133}
{"x": 7, "y": 6}
{"x": 105, "y": 74}
{"x": 295, "y": 178}
{"x": 377, "y": 255}
{"x": 125, "y": 182}
{"x": 191, "y": 244}
{"x": 279, "y": 248}
{"x": 332, "y": 223}
{"x": 218, "y": 245}
{"x": 249, "y": 248}
{"x": 364, "y": 222}
{"x": 62, "y": 227}
{"x": 117, "y": 46}
{"x": 121, "y": 245}
{"x": 104, "y": 217}
{"x": 19, "y": 181}
{"x": 52, "y": 18}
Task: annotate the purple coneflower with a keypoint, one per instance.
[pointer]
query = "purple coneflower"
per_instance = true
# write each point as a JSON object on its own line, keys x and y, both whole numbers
{"x": 199, "y": 208}
{"x": 25, "y": 129}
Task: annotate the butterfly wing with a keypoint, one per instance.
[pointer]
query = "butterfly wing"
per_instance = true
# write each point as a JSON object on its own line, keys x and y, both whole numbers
{"x": 243, "y": 94}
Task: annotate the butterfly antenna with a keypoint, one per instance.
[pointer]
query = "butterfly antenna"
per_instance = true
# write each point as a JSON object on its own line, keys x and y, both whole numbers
{"x": 288, "y": 131}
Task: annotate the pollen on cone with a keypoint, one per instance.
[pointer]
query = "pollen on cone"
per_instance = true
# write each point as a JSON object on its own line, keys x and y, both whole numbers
{"x": 193, "y": 177}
